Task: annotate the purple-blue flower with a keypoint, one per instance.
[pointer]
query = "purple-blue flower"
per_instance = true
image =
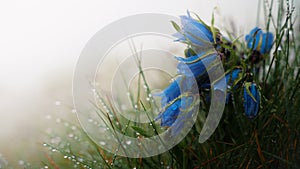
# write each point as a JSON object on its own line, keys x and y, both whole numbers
{"x": 169, "y": 116}
{"x": 194, "y": 31}
{"x": 230, "y": 78}
{"x": 251, "y": 99}
{"x": 177, "y": 107}
{"x": 170, "y": 93}
{"x": 260, "y": 41}
{"x": 195, "y": 66}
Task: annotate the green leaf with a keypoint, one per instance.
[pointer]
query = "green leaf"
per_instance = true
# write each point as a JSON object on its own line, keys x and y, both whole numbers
{"x": 212, "y": 28}
{"x": 176, "y": 26}
{"x": 141, "y": 131}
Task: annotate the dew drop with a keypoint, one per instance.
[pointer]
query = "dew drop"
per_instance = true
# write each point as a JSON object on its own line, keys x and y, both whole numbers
{"x": 128, "y": 142}
{"x": 21, "y": 162}
{"x": 102, "y": 143}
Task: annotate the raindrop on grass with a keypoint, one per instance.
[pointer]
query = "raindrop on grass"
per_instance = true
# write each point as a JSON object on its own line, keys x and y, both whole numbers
{"x": 21, "y": 162}
{"x": 128, "y": 142}
{"x": 70, "y": 135}
{"x": 102, "y": 143}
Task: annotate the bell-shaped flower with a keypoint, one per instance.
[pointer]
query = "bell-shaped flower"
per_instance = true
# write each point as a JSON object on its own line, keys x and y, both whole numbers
{"x": 251, "y": 99}
{"x": 197, "y": 65}
{"x": 259, "y": 41}
{"x": 194, "y": 32}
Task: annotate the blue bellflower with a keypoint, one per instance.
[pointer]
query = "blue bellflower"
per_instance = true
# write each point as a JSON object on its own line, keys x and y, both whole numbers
{"x": 230, "y": 78}
{"x": 194, "y": 32}
{"x": 195, "y": 66}
{"x": 185, "y": 114}
{"x": 259, "y": 41}
{"x": 176, "y": 113}
{"x": 171, "y": 100}
{"x": 251, "y": 99}
{"x": 169, "y": 116}
{"x": 170, "y": 93}
{"x": 178, "y": 108}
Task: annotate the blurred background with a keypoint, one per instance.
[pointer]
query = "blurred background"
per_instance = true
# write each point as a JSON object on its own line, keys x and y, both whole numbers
{"x": 40, "y": 42}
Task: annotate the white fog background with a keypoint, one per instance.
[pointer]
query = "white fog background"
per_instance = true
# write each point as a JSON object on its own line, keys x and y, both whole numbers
{"x": 41, "y": 40}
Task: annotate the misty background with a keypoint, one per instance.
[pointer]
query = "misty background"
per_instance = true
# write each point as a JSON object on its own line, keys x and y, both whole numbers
{"x": 40, "y": 42}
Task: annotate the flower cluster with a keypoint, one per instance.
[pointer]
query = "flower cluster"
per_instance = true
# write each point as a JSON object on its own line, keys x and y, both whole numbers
{"x": 205, "y": 46}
